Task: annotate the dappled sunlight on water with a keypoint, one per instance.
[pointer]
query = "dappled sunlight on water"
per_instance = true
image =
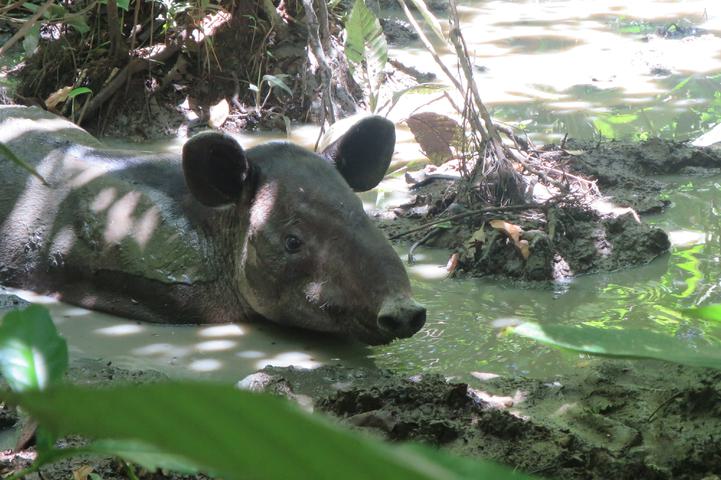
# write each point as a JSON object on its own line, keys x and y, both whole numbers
{"x": 580, "y": 67}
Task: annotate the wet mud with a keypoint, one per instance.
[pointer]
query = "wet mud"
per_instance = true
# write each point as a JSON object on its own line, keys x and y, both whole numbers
{"x": 618, "y": 419}
{"x": 597, "y": 230}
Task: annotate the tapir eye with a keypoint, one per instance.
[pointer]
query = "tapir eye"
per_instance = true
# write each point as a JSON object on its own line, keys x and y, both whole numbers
{"x": 292, "y": 244}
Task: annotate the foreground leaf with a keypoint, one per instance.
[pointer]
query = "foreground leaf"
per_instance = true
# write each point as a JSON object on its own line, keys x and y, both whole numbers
{"x": 32, "y": 353}
{"x": 710, "y": 312}
{"x": 623, "y": 344}
{"x": 232, "y": 433}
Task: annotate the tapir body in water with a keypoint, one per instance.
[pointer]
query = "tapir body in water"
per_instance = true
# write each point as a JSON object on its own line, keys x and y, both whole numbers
{"x": 222, "y": 234}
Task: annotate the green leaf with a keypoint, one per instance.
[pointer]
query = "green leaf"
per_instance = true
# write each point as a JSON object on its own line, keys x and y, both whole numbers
{"x": 78, "y": 22}
{"x": 626, "y": 343}
{"x": 365, "y": 39}
{"x": 465, "y": 467}
{"x": 277, "y": 81}
{"x": 430, "y": 19}
{"x": 143, "y": 454}
{"x": 123, "y": 4}
{"x": 31, "y": 40}
{"x": 710, "y": 312}
{"x": 79, "y": 91}
{"x": 233, "y": 433}
{"x": 420, "y": 89}
{"x": 7, "y": 153}
{"x": 32, "y": 354}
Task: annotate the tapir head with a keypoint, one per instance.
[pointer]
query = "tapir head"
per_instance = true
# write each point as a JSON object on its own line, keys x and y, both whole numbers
{"x": 307, "y": 254}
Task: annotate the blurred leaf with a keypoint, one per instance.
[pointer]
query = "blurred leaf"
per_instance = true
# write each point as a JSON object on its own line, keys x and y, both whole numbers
{"x": 277, "y": 81}
{"x": 232, "y": 433}
{"x": 252, "y": 87}
{"x": 78, "y": 22}
{"x": 143, "y": 454}
{"x": 420, "y": 89}
{"x": 626, "y": 343}
{"x": 710, "y": 312}
{"x": 31, "y": 40}
{"x": 365, "y": 41}
{"x": 621, "y": 119}
{"x": 435, "y": 133}
{"x": 32, "y": 354}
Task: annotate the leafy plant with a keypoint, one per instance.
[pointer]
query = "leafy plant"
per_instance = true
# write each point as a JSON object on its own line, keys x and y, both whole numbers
{"x": 628, "y": 343}
{"x": 366, "y": 49}
{"x": 273, "y": 81}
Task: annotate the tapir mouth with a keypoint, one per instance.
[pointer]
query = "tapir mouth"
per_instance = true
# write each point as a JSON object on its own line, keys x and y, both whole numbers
{"x": 383, "y": 327}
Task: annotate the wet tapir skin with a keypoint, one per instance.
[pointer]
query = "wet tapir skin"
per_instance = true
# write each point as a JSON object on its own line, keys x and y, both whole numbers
{"x": 224, "y": 234}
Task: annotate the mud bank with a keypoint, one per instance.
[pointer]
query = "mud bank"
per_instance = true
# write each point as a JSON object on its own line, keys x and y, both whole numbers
{"x": 594, "y": 225}
{"x": 615, "y": 420}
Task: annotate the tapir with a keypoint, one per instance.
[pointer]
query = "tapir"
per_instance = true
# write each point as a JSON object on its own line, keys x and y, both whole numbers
{"x": 218, "y": 234}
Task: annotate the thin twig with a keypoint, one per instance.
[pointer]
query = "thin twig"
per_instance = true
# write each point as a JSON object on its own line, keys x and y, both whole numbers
{"x": 471, "y": 213}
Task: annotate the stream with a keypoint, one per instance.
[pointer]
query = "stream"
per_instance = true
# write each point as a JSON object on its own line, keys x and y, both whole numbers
{"x": 551, "y": 68}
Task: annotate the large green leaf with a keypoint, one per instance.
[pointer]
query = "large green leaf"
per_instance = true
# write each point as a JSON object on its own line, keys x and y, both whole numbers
{"x": 32, "y": 354}
{"x": 365, "y": 41}
{"x": 626, "y": 343}
{"x": 233, "y": 433}
{"x": 709, "y": 312}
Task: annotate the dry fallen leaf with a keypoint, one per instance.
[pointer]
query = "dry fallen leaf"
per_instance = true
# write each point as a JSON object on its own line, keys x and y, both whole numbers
{"x": 514, "y": 233}
{"x": 82, "y": 473}
{"x": 219, "y": 114}
{"x": 452, "y": 264}
{"x": 435, "y": 133}
{"x": 57, "y": 97}
{"x": 575, "y": 153}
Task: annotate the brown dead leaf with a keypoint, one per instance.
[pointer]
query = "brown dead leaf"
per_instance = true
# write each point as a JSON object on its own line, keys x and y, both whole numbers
{"x": 82, "y": 473}
{"x": 435, "y": 134}
{"x": 514, "y": 233}
{"x": 452, "y": 264}
{"x": 219, "y": 114}
{"x": 57, "y": 97}
{"x": 575, "y": 153}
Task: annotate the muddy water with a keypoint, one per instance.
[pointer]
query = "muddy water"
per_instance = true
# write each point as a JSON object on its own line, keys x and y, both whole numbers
{"x": 553, "y": 67}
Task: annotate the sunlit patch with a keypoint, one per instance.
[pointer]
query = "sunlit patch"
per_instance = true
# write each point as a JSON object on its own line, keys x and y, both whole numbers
{"x": 120, "y": 220}
{"x": 33, "y": 297}
{"x": 87, "y": 175}
{"x": 76, "y": 312}
{"x": 286, "y": 359}
{"x": 205, "y": 365}
{"x": 103, "y": 199}
{"x": 225, "y": 330}
{"x": 63, "y": 241}
{"x": 160, "y": 350}
{"x": 250, "y": 354}
{"x": 145, "y": 226}
{"x": 215, "y": 345}
{"x": 428, "y": 271}
{"x": 17, "y": 127}
{"x": 686, "y": 238}
{"x": 122, "y": 329}
{"x": 263, "y": 204}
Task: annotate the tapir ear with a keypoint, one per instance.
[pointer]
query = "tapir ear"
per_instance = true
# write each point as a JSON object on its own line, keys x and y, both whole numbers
{"x": 362, "y": 155}
{"x": 215, "y": 168}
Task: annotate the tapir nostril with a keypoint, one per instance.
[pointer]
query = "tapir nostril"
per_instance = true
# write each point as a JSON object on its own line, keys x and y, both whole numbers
{"x": 404, "y": 321}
